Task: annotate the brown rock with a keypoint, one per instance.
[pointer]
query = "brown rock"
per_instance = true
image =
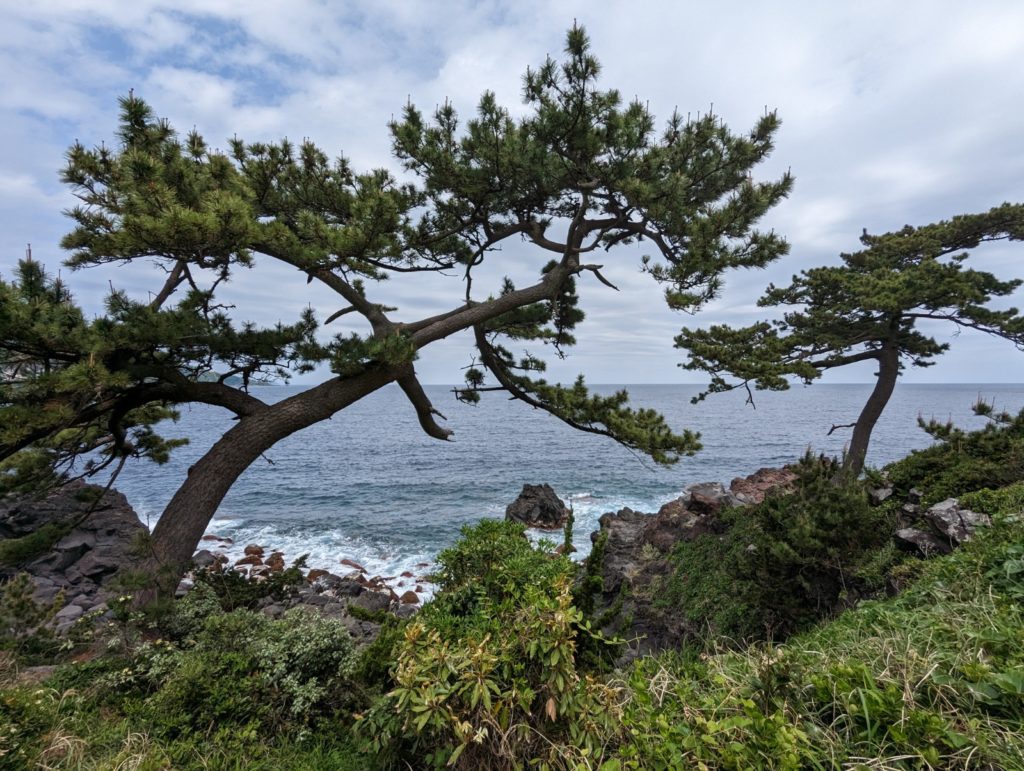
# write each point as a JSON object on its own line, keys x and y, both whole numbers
{"x": 754, "y": 488}
{"x": 316, "y": 573}
{"x": 349, "y": 563}
{"x": 409, "y": 598}
{"x": 560, "y": 549}
{"x": 249, "y": 559}
{"x": 670, "y": 525}
{"x": 708, "y": 498}
{"x": 252, "y": 550}
{"x": 407, "y": 574}
{"x": 276, "y": 562}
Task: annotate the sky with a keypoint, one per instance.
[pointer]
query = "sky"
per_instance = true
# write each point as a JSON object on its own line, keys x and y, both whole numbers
{"x": 892, "y": 114}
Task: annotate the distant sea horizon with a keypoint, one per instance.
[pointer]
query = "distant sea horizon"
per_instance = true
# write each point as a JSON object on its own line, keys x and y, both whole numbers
{"x": 370, "y": 486}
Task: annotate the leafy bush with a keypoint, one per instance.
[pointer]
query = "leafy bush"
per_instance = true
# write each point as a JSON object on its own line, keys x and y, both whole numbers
{"x": 487, "y": 675}
{"x": 780, "y": 564}
{"x": 237, "y": 691}
{"x": 244, "y": 671}
{"x": 1002, "y": 502}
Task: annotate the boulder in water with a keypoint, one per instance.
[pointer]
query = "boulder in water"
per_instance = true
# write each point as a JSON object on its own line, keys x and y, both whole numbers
{"x": 538, "y": 506}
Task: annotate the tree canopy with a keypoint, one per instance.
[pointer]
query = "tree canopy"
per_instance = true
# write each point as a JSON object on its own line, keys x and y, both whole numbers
{"x": 581, "y": 174}
{"x": 868, "y": 308}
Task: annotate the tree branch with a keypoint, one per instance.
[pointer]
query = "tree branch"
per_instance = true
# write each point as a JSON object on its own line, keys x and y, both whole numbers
{"x": 173, "y": 280}
{"x": 424, "y": 409}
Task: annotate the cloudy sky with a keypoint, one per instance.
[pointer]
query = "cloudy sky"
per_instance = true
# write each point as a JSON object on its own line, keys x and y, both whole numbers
{"x": 892, "y": 114}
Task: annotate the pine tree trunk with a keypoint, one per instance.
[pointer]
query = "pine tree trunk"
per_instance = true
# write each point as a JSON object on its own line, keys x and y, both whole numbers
{"x": 187, "y": 515}
{"x": 888, "y": 372}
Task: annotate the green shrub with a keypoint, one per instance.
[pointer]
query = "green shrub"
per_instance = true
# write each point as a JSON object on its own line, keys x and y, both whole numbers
{"x": 1004, "y": 501}
{"x": 235, "y": 590}
{"x": 239, "y": 691}
{"x": 245, "y": 670}
{"x": 487, "y": 675}
{"x": 963, "y": 461}
{"x": 782, "y": 563}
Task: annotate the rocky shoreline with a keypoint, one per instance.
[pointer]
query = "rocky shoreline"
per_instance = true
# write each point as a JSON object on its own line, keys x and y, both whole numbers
{"x": 97, "y": 533}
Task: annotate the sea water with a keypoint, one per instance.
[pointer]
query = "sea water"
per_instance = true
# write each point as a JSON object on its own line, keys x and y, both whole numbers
{"x": 371, "y": 487}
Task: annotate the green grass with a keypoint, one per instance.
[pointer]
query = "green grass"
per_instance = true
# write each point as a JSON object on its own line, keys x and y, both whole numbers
{"x": 933, "y": 678}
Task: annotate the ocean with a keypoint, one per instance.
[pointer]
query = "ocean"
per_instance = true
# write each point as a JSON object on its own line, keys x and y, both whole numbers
{"x": 371, "y": 487}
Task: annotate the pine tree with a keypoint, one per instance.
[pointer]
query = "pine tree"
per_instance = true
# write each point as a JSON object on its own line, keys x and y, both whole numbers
{"x": 581, "y": 173}
{"x": 868, "y": 308}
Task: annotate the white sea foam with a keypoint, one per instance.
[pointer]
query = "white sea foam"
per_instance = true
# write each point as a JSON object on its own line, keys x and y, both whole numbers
{"x": 587, "y": 509}
{"x": 325, "y": 550}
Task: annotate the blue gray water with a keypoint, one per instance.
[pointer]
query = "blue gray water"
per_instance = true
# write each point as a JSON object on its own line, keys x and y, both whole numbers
{"x": 370, "y": 486}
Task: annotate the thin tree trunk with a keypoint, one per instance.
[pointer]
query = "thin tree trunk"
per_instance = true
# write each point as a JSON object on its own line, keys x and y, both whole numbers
{"x": 888, "y": 372}
{"x": 190, "y": 510}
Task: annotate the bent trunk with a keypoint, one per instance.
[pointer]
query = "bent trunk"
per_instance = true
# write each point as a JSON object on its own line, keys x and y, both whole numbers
{"x": 888, "y": 372}
{"x": 186, "y": 517}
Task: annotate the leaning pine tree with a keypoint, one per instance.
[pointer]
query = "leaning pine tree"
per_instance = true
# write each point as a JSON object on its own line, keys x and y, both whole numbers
{"x": 581, "y": 174}
{"x": 869, "y": 308}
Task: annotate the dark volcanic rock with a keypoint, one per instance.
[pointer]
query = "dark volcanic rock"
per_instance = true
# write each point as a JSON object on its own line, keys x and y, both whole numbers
{"x": 538, "y": 506}
{"x": 98, "y": 543}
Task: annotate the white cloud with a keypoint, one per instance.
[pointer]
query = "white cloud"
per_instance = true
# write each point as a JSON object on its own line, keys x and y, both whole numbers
{"x": 892, "y": 114}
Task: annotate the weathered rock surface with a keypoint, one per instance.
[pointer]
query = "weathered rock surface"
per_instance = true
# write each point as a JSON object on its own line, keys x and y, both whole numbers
{"x": 754, "y": 488}
{"x": 538, "y": 506}
{"x": 954, "y": 521}
{"x": 80, "y": 563}
{"x": 879, "y": 495}
{"x": 635, "y": 565}
{"x": 923, "y": 543}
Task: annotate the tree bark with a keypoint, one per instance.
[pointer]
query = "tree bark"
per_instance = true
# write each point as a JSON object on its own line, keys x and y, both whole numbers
{"x": 190, "y": 510}
{"x": 888, "y": 372}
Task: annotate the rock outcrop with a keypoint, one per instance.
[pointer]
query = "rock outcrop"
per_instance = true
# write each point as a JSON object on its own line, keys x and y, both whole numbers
{"x": 538, "y": 506}
{"x": 635, "y": 562}
{"x": 939, "y": 529}
{"x": 100, "y": 539}
{"x": 754, "y": 488}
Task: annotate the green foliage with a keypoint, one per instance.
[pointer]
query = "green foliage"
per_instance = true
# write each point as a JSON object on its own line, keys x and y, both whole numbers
{"x": 1004, "y": 501}
{"x": 962, "y": 461}
{"x": 868, "y": 308}
{"x": 930, "y": 679}
{"x": 780, "y": 564}
{"x": 236, "y": 675}
{"x": 488, "y": 673}
{"x": 234, "y": 590}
